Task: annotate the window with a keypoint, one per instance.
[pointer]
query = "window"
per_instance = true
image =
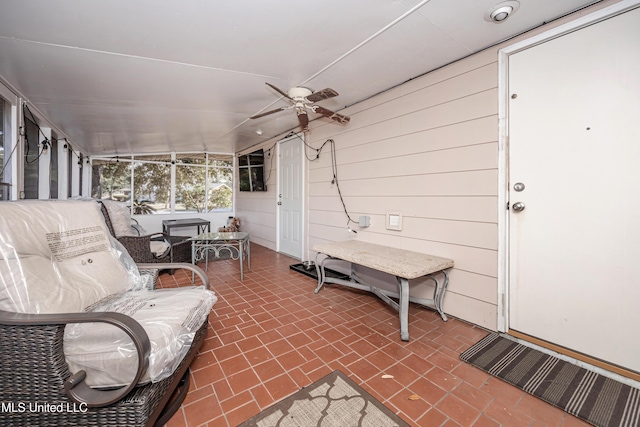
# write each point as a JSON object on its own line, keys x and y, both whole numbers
{"x": 112, "y": 179}
{"x": 69, "y": 170}
{"x": 5, "y": 177}
{"x": 31, "y": 159}
{"x": 220, "y": 184}
{"x": 53, "y": 169}
{"x": 8, "y": 146}
{"x": 3, "y": 103}
{"x": 28, "y": 153}
{"x": 80, "y": 172}
{"x": 40, "y": 162}
{"x": 203, "y": 182}
{"x": 251, "y": 171}
{"x": 196, "y": 193}
{"x": 152, "y": 184}
{"x": 191, "y": 181}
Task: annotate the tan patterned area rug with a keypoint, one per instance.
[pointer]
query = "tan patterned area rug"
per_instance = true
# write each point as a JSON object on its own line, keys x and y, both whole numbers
{"x": 332, "y": 401}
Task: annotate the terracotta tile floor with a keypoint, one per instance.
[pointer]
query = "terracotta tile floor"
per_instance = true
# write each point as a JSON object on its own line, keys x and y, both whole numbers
{"x": 271, "y": 335}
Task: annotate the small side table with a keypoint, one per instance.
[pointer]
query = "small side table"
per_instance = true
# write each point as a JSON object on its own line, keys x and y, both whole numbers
{"x": 168, "y": 224}
{"x": 237, "y": 244}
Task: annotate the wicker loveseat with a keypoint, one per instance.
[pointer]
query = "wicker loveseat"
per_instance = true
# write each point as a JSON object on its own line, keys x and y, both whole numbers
{"x": 85, "y": 338}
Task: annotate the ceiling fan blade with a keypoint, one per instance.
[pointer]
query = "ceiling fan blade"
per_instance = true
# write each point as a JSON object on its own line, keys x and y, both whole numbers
{"x": 281, "y": 92}
{"x": 330, "y": 114}
{"x": 257, "y": 116}
{"x": 303, "y": 118}
{"x": 322, "y": 94}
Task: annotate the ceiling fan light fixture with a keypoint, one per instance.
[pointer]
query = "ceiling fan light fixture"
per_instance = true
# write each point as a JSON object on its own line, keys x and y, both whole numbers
{"x": 303, "y": 99}
{"x": 501, "y": 12}
{"x": 299, "y": 92}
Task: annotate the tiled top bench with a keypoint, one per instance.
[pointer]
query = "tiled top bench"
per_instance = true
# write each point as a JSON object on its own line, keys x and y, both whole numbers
{"x": 402, "y": 264}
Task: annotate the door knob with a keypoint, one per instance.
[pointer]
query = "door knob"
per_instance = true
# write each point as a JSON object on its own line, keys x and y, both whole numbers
{"x": 279, "y": 203}
{"x": 518, "y": 206}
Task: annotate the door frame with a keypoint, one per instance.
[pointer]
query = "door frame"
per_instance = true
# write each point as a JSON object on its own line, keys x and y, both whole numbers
{"x": 503, "y": 139}
{"x": 303, "y": 196}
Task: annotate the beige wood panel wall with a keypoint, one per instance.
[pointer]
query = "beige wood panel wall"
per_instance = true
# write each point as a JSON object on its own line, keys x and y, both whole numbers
{"x": 428, "y": 149}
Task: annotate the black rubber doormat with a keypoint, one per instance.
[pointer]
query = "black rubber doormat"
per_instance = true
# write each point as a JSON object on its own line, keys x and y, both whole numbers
{"x": 592, "y": 397}
{"x": 312, "y": 273}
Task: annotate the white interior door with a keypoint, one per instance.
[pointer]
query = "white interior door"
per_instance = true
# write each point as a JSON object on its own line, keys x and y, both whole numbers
{"x": 574, "y": 144}
{"x": 290, "y": 197}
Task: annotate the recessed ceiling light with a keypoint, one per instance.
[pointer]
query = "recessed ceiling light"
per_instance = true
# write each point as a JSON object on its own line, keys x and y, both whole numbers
{"x": 500, "y": 12}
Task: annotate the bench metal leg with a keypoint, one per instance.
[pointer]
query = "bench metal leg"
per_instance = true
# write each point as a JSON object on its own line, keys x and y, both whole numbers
{"x": 439, "y": 299}
{"x": 403, "y": 309}
{"x": 320, "y": 273}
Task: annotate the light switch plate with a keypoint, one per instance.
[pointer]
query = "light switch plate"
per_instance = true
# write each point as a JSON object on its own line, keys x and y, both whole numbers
{"x": 394, "y": 221}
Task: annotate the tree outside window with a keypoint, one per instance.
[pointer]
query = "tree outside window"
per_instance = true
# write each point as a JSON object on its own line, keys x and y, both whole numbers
{"x": 190, "y": 187}
{"x": 111, "y": 179}
{"x": 220, "y": 182}
{"x": 203, "y": 182}
{"x": 152, "y": 184}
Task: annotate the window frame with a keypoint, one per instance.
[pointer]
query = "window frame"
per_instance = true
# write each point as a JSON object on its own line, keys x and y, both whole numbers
{"x": 209, "y": 158}
{"x": 9, "y": 169}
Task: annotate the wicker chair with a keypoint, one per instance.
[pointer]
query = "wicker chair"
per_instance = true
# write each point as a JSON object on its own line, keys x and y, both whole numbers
{"x": 139, "y": 247}
{"x": 37, "y": 386}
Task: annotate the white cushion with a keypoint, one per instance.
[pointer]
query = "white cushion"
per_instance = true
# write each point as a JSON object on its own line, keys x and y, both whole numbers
{"x": 159, "y": 247}
{"x": 120, "y": 217}
{"x": 169, "y": 316}
{"x": 57, "y": 256}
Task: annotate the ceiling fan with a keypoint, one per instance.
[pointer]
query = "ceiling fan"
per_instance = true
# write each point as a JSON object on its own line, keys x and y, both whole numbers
{"x": 303, "y": 99}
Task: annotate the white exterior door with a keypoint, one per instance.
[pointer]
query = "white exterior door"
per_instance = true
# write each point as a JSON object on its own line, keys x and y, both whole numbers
{"x": 290, "y": 197}
{"x": 574, "y": 145}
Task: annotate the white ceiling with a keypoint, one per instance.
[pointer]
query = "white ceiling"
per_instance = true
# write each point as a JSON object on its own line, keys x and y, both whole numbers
{"x": 147, "y": 76}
